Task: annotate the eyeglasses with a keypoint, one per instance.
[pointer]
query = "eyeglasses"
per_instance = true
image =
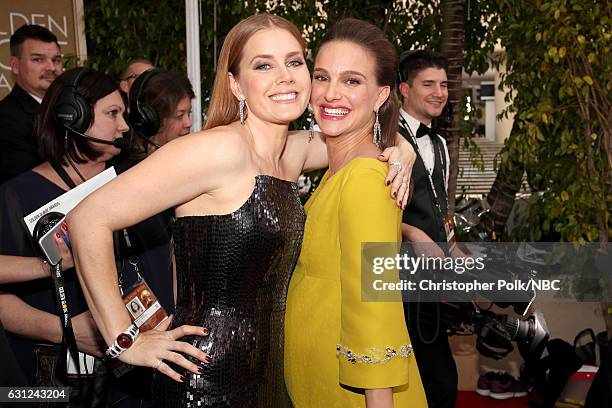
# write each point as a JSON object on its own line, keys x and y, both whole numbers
{"x": 129, "y": 77}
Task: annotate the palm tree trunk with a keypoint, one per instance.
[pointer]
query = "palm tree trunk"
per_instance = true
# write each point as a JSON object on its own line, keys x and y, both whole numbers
{"x": 452, "y": 48}
{"x": 507, "y": 183}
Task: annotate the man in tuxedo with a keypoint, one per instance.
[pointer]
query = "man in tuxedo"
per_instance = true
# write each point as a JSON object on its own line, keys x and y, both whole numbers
{"x": 35, "y": 63}
{"x": 423, "y": 86}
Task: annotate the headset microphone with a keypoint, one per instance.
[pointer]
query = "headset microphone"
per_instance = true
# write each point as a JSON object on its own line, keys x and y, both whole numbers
{"x": 119, "y": 143}
{"x": 147, "y": 140}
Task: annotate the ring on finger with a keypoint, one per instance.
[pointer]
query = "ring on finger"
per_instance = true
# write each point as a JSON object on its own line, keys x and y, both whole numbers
{"x": 398, "y": 165}
{"x": 156, "y": 366}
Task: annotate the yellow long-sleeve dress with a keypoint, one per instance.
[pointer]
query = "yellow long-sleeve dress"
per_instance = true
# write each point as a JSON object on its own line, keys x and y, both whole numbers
{"x": 336, "y": 345}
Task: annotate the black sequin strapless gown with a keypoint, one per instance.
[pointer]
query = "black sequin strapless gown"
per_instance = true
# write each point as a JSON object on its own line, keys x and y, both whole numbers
{"x": 233, "y": 272}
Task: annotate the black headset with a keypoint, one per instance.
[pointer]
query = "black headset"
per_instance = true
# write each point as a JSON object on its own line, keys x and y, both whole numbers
{"x": 71, "y": 110}
{"x": 401, "y": 76}
{"x": 142, "y": 117}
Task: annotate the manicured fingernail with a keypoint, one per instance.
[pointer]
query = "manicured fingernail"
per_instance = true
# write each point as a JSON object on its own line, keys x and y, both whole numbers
{"x": 204, "y": 331}
{"x": 64, "y": 227}
{"x": 201, "y": 370}
{"x": 208, "y": 359}
{"x": 182, "y": 378}
{"x": 394, "y": 194}
{"x": 387, "y": 183}
{"x": 57, "y": 235}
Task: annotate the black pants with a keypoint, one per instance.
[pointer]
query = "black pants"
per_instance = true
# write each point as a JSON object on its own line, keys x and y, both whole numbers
{"x": 433, "y": 355}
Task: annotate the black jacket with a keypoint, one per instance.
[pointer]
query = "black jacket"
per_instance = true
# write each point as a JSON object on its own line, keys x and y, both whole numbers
{"x": 18, "y": 151}
{"x": 421, "y": 212}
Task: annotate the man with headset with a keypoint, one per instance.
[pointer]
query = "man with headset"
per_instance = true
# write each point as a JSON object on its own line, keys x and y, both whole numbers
{"x": 423, "y": 86}
{"x": 35, "y": 63}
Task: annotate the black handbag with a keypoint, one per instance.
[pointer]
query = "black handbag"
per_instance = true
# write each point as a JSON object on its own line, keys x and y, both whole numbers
{"x": 84, "y": 391}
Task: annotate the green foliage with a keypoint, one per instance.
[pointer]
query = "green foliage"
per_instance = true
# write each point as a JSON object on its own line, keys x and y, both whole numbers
{"x": 557, "y": 54}
{"x": 120, "y": 30}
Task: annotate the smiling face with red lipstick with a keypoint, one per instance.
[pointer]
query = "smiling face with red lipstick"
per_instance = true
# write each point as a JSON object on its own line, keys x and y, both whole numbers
{"x": 273, "y": 77}
{"x": 345, "y": 93}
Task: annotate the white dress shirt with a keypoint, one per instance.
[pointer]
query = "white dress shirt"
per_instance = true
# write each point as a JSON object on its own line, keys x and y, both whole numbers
{"x": 426, "y": 148}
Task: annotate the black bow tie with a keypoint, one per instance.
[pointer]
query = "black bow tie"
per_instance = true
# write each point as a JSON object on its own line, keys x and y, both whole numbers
{"x": 425, "y": 131}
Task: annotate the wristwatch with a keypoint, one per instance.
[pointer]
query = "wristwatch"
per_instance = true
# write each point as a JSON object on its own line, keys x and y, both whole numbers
{"x": 123, "y": 342}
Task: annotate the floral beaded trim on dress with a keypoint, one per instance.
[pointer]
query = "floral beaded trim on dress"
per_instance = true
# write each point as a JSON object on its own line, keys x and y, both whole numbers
{"x": 374, "y": 355}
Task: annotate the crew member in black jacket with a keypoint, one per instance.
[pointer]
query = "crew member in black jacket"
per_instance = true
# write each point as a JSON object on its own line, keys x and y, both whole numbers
{"x": 35, "y": 62}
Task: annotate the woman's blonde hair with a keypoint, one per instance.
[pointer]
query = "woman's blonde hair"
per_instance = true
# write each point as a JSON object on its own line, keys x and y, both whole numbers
{"x": 223, "y": 108}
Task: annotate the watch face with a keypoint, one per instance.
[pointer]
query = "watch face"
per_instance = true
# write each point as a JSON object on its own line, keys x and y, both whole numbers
{"x": 124, "y": 341}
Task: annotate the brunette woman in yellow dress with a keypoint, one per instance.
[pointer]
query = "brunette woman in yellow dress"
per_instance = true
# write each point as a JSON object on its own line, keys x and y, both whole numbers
{"x": 340, "y": 351}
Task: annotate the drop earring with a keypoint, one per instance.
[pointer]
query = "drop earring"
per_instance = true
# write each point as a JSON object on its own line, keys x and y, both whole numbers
{"x": 311, "y": 123}
{"x": 377, "y": 139}
{"x": 242, "y": 107}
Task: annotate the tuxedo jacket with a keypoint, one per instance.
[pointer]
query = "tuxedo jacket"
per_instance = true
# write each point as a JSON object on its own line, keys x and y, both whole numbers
{"x": 422, "y": 212}
{"x": 18, "y": 151}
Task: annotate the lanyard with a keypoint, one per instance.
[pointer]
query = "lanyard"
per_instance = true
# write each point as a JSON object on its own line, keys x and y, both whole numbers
{"x": 63, "y": 175}
{"x": 133, "y": 259}
{"x": 59, "y": 285}
{"x": 404, "y": 124}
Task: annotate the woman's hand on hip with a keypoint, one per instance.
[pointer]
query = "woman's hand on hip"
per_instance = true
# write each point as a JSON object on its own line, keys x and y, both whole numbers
{"x": 155, "y": 347}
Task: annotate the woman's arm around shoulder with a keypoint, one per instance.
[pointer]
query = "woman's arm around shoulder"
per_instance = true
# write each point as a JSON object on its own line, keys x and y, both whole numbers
{"x": 306, "y": 151}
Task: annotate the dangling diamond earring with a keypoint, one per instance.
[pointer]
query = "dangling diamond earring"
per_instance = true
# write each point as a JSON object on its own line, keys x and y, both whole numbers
{"x": 377, "y": 139}
{"x": 311, "y": 123}
{"x": 241, "y": 107}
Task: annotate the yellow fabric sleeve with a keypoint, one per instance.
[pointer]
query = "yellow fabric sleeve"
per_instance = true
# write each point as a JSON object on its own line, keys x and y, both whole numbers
{"x": 374, "y": 345}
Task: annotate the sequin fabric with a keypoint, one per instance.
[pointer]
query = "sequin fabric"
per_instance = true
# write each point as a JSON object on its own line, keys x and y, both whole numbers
{"x": 374, "y": 355}
{"x": 233, "y": 272}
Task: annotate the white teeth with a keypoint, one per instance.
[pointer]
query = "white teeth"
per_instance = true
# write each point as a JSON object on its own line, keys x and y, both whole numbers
{"x": 335, "y": 111}
{"x": 284, "y": 97}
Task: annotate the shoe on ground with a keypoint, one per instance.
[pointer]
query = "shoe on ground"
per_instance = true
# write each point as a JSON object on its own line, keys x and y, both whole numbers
{"x": 506, "y": 387}
{"x": 484, "y": 383}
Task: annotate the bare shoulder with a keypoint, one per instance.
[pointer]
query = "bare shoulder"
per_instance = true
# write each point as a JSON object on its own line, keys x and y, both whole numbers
{"x": 220, "y": 148}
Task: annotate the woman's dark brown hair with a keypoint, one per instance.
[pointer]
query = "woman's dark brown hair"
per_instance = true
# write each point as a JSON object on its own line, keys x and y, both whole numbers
{"x": 162, "y": 92}
{"x": 372, "y": 39}
{"x": 54, "y": 142}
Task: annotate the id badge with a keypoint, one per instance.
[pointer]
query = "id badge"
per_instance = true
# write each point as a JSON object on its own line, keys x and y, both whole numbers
{"x": 146, "y": 313}
{"x": 144, "y": 308}
{"x": 449, "y": 229}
